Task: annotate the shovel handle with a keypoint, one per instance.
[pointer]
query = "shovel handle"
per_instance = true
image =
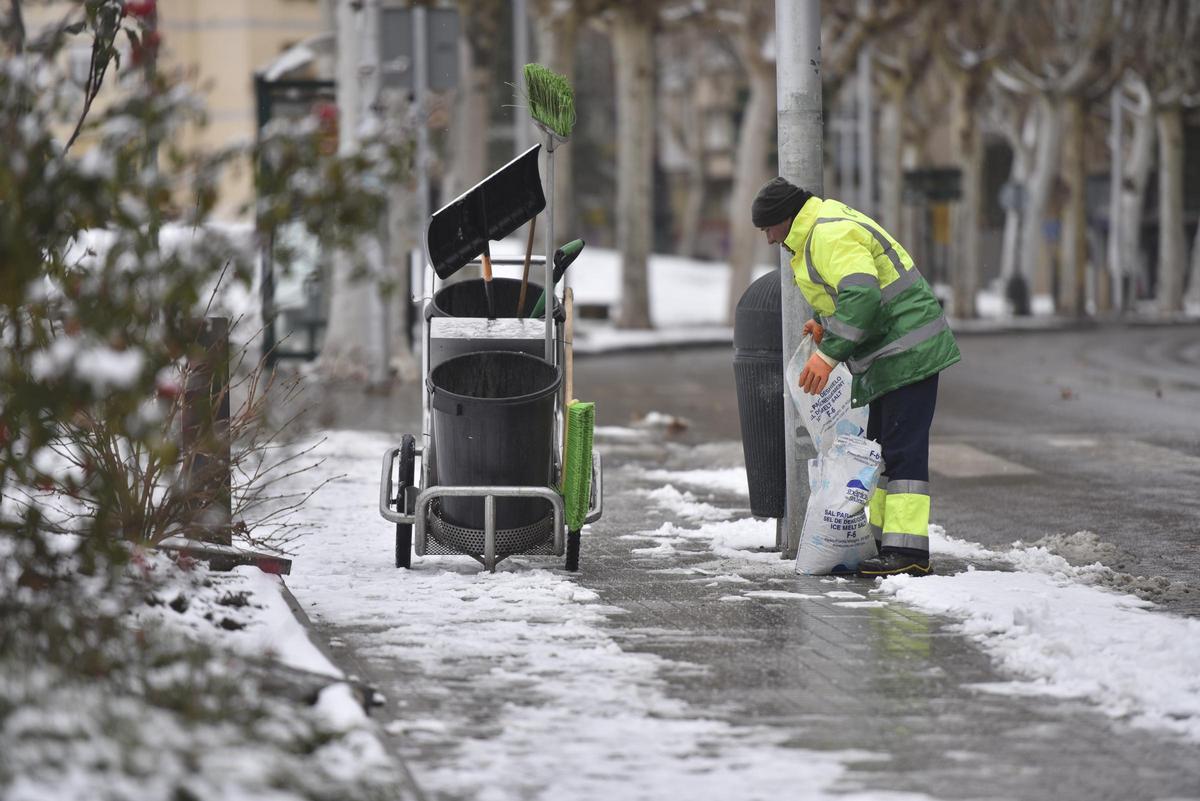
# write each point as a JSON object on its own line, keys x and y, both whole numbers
{"x": 568, "y": 372}
{"x": 525, "y": 271}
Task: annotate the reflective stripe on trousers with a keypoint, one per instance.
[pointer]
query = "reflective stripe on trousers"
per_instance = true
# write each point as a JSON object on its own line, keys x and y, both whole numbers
{"x": 875, "y": 509}
{"x": 906, "y": 515}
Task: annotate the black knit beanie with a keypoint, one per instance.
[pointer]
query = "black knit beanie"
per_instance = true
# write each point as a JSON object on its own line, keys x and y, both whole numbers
{"x": 777, "y": 201}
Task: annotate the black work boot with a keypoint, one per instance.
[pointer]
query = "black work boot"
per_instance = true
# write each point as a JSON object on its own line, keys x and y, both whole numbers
{"x": 893, "y": 561}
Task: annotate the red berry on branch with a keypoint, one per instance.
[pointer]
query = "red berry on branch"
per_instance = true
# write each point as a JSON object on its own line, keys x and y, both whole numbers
{"x": 326, "y": 111}
{"x": 168, "y": 389}
{"x": 146, "y": 48}
{"x": 140, "y": 8}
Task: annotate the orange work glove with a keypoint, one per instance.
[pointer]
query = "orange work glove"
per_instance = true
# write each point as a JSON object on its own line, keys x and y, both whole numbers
{"x": 815, "y": 374}
{"x": 816, "y": 329}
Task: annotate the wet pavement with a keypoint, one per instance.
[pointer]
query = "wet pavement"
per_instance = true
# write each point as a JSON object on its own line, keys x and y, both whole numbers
{"x": 1037, "y": 436}
{"x": 887, "y": 679}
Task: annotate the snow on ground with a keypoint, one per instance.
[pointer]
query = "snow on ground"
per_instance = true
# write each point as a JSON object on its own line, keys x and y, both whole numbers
{"x": 160, "y": 718}
{"x": 243, "y": 610}
{"x": 684, "y": 504}
{"x": 722, "y": 479}
{"x": 578, "y": 717}
{"x": 1043, "y": 620}
{"x": 1047, "y": 623}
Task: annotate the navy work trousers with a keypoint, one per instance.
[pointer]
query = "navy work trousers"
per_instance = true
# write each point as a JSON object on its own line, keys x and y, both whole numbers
{"x": 899, "y": 421}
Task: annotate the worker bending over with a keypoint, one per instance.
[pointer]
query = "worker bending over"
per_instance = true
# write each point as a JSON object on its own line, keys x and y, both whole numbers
{"x": 877, "y": 314}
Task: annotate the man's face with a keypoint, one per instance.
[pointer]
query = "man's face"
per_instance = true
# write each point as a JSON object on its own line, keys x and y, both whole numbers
{"x": 777, "y": 233}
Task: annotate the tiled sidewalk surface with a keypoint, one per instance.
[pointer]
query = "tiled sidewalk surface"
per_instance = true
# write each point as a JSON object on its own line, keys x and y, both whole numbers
{"x": 839, "y": 673}
{"x": 839, "y": 669}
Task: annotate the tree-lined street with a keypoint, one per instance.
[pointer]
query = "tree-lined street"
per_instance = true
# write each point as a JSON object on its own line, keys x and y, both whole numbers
{"x": 322, "y": 478}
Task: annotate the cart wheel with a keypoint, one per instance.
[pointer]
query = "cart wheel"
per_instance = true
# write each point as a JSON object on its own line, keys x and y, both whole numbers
{"x": 572, "y": 551}
{"x": 408, "y": 450}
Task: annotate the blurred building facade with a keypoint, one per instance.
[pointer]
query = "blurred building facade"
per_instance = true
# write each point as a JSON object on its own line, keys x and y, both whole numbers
{"x": 217, "y": 45}
{"x": 221, "y": 44}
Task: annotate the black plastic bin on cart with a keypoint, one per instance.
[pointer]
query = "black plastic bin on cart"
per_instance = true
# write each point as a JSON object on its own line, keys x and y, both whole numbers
{"x": 493, "y": 422}
{"x": 758, "y": 375}
{"x": 468, "y": 299}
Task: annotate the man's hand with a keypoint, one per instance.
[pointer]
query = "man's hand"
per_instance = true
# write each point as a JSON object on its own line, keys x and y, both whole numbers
{"x": 815, "y": 375}
{"x": 816, "y": 329}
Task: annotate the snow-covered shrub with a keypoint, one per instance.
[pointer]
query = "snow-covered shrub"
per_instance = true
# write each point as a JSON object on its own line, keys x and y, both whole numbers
{"x": 97, "y": 335}
{"x": 97, "y": 312}
{"x": 92, "y": 335}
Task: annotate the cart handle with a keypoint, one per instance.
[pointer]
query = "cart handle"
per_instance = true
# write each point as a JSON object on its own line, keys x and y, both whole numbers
{"x": 595, "y": 506}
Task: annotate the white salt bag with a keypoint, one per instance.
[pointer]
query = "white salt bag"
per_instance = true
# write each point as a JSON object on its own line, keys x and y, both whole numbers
{"x": 827, "y": 415}
{"x": 836, "y": 535}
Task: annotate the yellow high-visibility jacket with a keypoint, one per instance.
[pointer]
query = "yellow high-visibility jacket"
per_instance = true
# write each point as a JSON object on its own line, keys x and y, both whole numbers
{"x": 880, "y": 315}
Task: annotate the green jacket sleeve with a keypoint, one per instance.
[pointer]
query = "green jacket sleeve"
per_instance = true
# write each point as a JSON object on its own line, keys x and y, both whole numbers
{"x": 857, "y": 308}
{"x": 849, "y": 263}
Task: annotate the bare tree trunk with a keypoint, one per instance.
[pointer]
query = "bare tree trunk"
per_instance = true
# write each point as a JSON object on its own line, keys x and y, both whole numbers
{"x": 633, "y": 52}
{"x": 1134, "y": 176}
{"x": 469, "y": 136}
{"x": 1073, "y": 262}
{"x": 558, "y": 33}
{"x": 1171, "y": 244}
{"x": 966, "y": 241}
{"x": 402, "y": 224}
{"x": 891, "y": 154}
{"x": 750, "y": 173}
{"x": 1033, "y": 264}
{"x": 693, "y": 211}
{"x": 1023, "y": 141}
{"x": 1193, "y": 286}
{"x": 1116, "y": 153}
{"x": 325, "y": 57}
{"x": 347, "y": 350}
{"x": 689, "y": 128}
{"x": 481, "y": 22}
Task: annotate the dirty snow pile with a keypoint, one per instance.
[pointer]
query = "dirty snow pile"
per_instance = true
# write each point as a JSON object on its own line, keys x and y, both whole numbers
{"x": 185, "y": 684}
{"x": 1047, "y": 624}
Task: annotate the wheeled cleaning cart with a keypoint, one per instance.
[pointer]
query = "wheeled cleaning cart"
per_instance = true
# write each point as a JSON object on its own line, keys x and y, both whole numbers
{"x": 479, "y": 480}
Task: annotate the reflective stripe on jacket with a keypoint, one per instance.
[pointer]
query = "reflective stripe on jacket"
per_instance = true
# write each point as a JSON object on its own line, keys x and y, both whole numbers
{"x": 880, "y": 315}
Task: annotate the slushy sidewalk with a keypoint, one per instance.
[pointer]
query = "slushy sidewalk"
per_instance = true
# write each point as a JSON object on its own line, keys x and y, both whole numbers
{"x": 686, "y": 660}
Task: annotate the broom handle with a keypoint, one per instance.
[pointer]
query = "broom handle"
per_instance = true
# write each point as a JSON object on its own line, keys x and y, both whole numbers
{"x": 525, "y": 272}
{"x": 569, "y": 376}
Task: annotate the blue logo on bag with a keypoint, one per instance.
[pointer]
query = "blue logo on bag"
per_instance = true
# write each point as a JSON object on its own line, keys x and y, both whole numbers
{"x": 856, "y": 492}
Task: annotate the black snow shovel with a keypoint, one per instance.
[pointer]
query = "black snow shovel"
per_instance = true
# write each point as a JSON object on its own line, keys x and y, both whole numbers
{"x": 492, "y": 209}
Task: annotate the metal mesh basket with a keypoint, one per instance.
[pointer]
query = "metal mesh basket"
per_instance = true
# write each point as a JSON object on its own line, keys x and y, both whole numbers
{"x": 445, "y": 537}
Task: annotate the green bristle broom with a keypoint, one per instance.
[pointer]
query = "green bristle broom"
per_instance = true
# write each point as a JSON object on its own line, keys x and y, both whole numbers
{"x": 551, "y": 100}
{"x": 551, "y": 104}
{"x": 577, "y": 474}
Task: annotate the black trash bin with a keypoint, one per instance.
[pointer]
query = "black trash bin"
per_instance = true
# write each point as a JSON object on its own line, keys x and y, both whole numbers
{"x": 468, "y": 299}
{"x": 493, "y": 424}
{"x": 758, "y": 375}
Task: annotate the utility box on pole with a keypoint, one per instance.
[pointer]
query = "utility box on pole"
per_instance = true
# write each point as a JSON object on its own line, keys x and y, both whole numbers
{"x": 801, "y": 142}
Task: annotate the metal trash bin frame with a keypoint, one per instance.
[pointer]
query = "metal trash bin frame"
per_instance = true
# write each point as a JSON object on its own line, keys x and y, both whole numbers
{"x": 413, "y": 504}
